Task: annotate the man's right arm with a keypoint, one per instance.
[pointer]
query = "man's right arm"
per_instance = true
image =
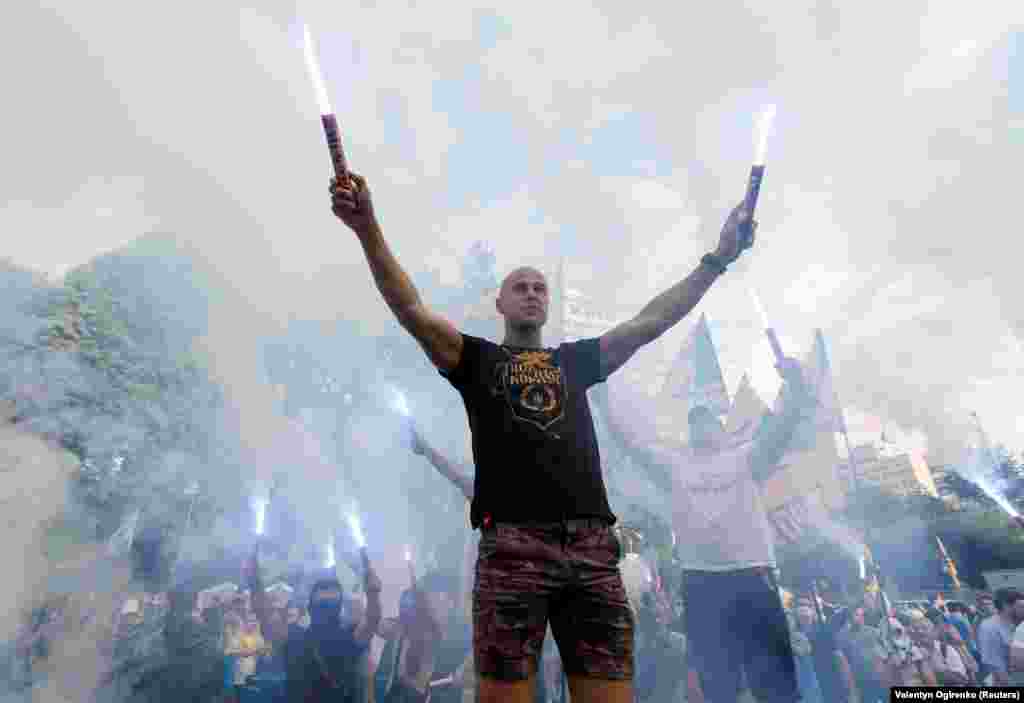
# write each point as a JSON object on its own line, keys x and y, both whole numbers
{"x": 440, "y": 462}
{"x": 438, "y": 337}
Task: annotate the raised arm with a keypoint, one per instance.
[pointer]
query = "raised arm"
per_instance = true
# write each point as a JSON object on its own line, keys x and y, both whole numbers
{"x": 260, "y": 602}
{"x": 659, "y": 315}
{"x": 438, "y": 337}
{"x": 777, "y": 430}
{"x": 440, "y": 462}
{"x": 370, "y": 621}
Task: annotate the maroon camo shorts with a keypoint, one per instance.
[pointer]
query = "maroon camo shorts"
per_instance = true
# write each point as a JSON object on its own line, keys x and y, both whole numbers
{"x": 563, "y": 573}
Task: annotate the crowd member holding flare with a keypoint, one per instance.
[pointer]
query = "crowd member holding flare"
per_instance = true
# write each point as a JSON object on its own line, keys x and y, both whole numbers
{"x": 325, "y": 661}
{"x": 539, "y": 496}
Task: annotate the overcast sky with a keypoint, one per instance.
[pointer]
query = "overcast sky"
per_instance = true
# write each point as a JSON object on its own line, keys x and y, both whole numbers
{"x": 617, "y": 135}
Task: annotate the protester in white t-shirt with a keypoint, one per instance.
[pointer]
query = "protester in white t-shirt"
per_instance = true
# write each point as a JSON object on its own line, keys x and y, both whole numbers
{"x": 726, "y": 546}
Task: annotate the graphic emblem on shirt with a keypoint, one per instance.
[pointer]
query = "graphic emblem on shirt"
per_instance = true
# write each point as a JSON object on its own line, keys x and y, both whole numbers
{"x": 532, "y": 385}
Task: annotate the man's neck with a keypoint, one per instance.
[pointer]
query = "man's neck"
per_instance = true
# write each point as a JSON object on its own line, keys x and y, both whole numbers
{"x": 1008, "y": 619}
{"x": 526, "y": 338}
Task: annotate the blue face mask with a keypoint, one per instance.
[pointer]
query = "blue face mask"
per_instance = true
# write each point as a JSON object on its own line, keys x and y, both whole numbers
{"x": 325, "y": 612}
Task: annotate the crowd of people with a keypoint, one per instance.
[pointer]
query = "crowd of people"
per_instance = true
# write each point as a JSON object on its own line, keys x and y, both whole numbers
{"x": 551, "y": 617}
{"x": 254, "y": 643}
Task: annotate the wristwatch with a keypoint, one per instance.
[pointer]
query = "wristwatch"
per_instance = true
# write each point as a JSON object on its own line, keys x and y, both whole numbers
{"x": 714, "y": 262}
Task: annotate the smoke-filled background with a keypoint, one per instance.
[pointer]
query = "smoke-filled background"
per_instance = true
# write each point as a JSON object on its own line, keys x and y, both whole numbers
{"x": 614, "y": 136}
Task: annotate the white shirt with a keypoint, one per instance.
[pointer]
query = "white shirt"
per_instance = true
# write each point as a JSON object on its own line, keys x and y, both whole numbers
{"x": 717, "y": 510}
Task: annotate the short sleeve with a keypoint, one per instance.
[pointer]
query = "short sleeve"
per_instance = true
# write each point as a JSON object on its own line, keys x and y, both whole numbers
{"x": 992, "y": 655}
{"x": 468, "y": 368}
{"x": 1018, "y": 636}
{"x": 583, "y": 359}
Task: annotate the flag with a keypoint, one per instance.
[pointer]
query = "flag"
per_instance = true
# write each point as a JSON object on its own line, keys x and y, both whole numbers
{"x": 811, "y": 462}
{"x": 747, "y": 409}
{"x": 830, "y": 412}
{"x": 696, "y": 376}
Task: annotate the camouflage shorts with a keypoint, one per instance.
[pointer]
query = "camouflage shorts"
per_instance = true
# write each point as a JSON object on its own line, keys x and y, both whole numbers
{"x": 568, "y": 576}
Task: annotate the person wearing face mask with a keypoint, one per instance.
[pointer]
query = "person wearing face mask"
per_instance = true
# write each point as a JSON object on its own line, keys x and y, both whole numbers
{"x": 325, "y": 662}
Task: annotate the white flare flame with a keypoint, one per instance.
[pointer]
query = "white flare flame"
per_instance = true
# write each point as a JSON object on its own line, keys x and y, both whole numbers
{"x": 330, "y": 562}
{"x": 357, "y": 530}
{"x": 401, "y": 404}
{"x": 765, "y": 122}
{"x": 408, "y": 554}
{"x": 259, "y": 506}
{"x": 863, "y": 569}
{"x": 313, "y": 66}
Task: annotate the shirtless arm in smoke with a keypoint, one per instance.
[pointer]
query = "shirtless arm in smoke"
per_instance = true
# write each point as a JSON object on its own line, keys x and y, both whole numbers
{"x": 445, "y": 467}
{"x": 776, "y": 431}
{"x": 436, "y": 335}
{"x": 662, "y": 313}
{"x": 370, "y": 621}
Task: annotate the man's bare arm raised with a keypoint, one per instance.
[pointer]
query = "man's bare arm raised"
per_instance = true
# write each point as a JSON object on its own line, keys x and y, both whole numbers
{"x": 438, "y": 337}
{"x": 659, "y": 315}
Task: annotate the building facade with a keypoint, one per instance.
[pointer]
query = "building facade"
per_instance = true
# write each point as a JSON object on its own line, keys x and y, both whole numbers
{"x": 898, "y": 473}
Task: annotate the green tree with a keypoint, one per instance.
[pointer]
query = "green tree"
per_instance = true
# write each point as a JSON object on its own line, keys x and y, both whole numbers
{"x": 108, "y": 372}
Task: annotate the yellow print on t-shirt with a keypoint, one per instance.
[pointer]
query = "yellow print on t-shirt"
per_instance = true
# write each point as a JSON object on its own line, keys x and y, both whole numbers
{"x": 532, "y": 384}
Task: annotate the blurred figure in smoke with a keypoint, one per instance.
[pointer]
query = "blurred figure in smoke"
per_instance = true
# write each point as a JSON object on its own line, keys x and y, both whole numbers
{"x": 863, "y": 648}
{"x": 906, "y": 662}
{"x": 415, "y": 639}
{"x": 947, "y": 654}
{"x": 727, "y": 552}
{"x": 547, "y": 550}
{"x": 327, "y": 661}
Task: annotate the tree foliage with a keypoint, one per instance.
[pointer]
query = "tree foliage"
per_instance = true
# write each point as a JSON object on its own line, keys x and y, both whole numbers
{"x": 102, "y": 364}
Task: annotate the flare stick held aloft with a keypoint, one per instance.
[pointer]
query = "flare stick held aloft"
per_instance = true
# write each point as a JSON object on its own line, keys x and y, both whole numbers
{"x": 764, "y": 126}
{"x": 327, "y": 116}
{"x": 330, "y": 123}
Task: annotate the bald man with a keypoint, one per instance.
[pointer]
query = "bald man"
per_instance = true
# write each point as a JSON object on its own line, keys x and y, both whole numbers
{"x": 547, "y": 551}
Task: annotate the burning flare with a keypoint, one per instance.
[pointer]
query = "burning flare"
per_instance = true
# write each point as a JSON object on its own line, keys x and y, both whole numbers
{"x": 401, "y": 404}
{"x": 329, "y": 561}
{"x": 357, "y": 530}
{"x": 259, "y": 506}
{"x": 765, "y": 122}
{"x": 313, "y": 66}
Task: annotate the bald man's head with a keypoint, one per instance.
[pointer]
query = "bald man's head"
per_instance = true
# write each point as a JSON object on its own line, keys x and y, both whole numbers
{"x": 523, "y": 298}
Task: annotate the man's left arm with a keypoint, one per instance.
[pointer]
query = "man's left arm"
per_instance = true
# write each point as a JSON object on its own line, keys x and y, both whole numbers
{"x": 659, "y": 315}
{"x": 777, "y": 430}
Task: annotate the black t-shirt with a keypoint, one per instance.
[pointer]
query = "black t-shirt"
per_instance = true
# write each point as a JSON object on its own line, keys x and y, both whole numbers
{"x": 534, "y": 444}
{"x": 325, "y": 664}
